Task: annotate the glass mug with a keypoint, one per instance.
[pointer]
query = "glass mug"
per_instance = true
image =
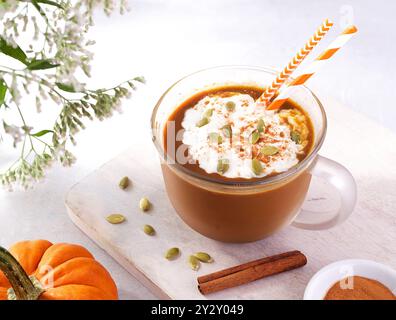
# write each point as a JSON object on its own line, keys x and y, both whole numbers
{"x": 250, "y": 210}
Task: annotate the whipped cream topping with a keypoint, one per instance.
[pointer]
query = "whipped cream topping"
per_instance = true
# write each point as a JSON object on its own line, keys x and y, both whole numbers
{"x": 210, "y": 141}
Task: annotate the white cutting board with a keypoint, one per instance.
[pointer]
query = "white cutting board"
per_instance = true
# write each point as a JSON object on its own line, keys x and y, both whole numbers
{"x": 365, "y": 148}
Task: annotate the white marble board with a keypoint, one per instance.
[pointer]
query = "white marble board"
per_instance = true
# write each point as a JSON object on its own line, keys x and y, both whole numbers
{"x": 365, "y": 148}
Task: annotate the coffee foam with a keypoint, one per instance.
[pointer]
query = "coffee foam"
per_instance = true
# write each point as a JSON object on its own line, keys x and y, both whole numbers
{"x": 239, "y": 150}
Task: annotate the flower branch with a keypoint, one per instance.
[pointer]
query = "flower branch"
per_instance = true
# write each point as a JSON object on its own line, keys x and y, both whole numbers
{"x": 47, "y": 71}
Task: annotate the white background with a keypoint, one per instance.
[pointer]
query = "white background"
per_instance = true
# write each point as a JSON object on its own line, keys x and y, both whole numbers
{"x": 164, "y": 40}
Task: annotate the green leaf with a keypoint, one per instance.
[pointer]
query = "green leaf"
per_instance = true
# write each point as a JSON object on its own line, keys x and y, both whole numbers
{"x": 65, "y": 87}
{"x": 3, "y": 91}
{"x": 41, "y": 133}
{"x": 16, "y": 53}
{"x": 36, "y": 5}
{"x": 41, "y": 64}
{"x": 51, "y": 3}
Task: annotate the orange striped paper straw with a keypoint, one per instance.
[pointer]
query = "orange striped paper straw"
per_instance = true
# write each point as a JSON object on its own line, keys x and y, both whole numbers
{"x": 284, "y": 75}
{"x": 325, "y": 56}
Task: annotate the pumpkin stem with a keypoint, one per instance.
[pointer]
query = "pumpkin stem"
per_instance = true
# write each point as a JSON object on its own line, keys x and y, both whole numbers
{"x": 22, "y": 285}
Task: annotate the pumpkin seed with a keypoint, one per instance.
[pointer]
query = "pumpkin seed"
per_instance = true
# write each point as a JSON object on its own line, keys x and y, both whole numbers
{"x": 295, "y": 136}
{"x": 172, "y": 253}
{"x": 269, "y": 150}
{"x": 260, "y": 125}
{"x": 124, "y": 183}
{"x": 222, "y": 166}
{"x": 193, "y": 262}
{"x": 227, "y": 131}
{"x": 214, "y": 137}
{"x": 254, "y": 137}
{"x": 144, "y": 204}
{"x": 208, "y": 113}
{"x": 202, "y": 122}
{"x": 149, "y": 230}
{"x": 115, "y": 218}
{"x": 257, "y": 167}
{"x": 230, "y": 106}
{"x": 203, "y": 257}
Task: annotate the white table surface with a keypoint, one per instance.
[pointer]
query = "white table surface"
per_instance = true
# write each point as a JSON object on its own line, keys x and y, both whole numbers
{"x": 165, "y": 39}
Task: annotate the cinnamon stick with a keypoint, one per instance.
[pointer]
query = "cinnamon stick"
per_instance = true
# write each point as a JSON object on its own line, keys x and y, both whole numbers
{"x": 250, "y": 271}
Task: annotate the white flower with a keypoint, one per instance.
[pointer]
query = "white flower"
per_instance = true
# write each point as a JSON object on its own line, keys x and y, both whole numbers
{"x": 7, "y": 6}
{"x": 15, "y": 132}
{"x": 59, "y": 37}
{"x": 15, "y": 92}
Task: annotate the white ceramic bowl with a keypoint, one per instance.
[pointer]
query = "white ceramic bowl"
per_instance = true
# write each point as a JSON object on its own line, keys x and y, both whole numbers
{"x": 323, "y": 280}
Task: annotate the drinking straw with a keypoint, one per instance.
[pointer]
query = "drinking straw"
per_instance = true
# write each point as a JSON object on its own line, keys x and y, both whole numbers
{"x": 284, "y": 75}
{"x": 325, "y": 56}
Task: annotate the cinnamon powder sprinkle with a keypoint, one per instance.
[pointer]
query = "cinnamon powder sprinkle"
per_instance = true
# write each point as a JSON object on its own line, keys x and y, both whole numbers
{"x": 359, "y": 288}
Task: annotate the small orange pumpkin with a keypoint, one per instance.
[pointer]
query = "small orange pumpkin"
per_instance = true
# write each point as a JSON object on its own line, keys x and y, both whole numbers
{"x": 56, "y": 272}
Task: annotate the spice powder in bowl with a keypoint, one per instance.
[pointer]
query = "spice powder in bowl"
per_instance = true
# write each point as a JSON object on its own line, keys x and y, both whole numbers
{"x": 359, "y": 288}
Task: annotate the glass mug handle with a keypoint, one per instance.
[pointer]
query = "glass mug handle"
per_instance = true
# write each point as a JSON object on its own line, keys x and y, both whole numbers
{"x": 331, "y": 197}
